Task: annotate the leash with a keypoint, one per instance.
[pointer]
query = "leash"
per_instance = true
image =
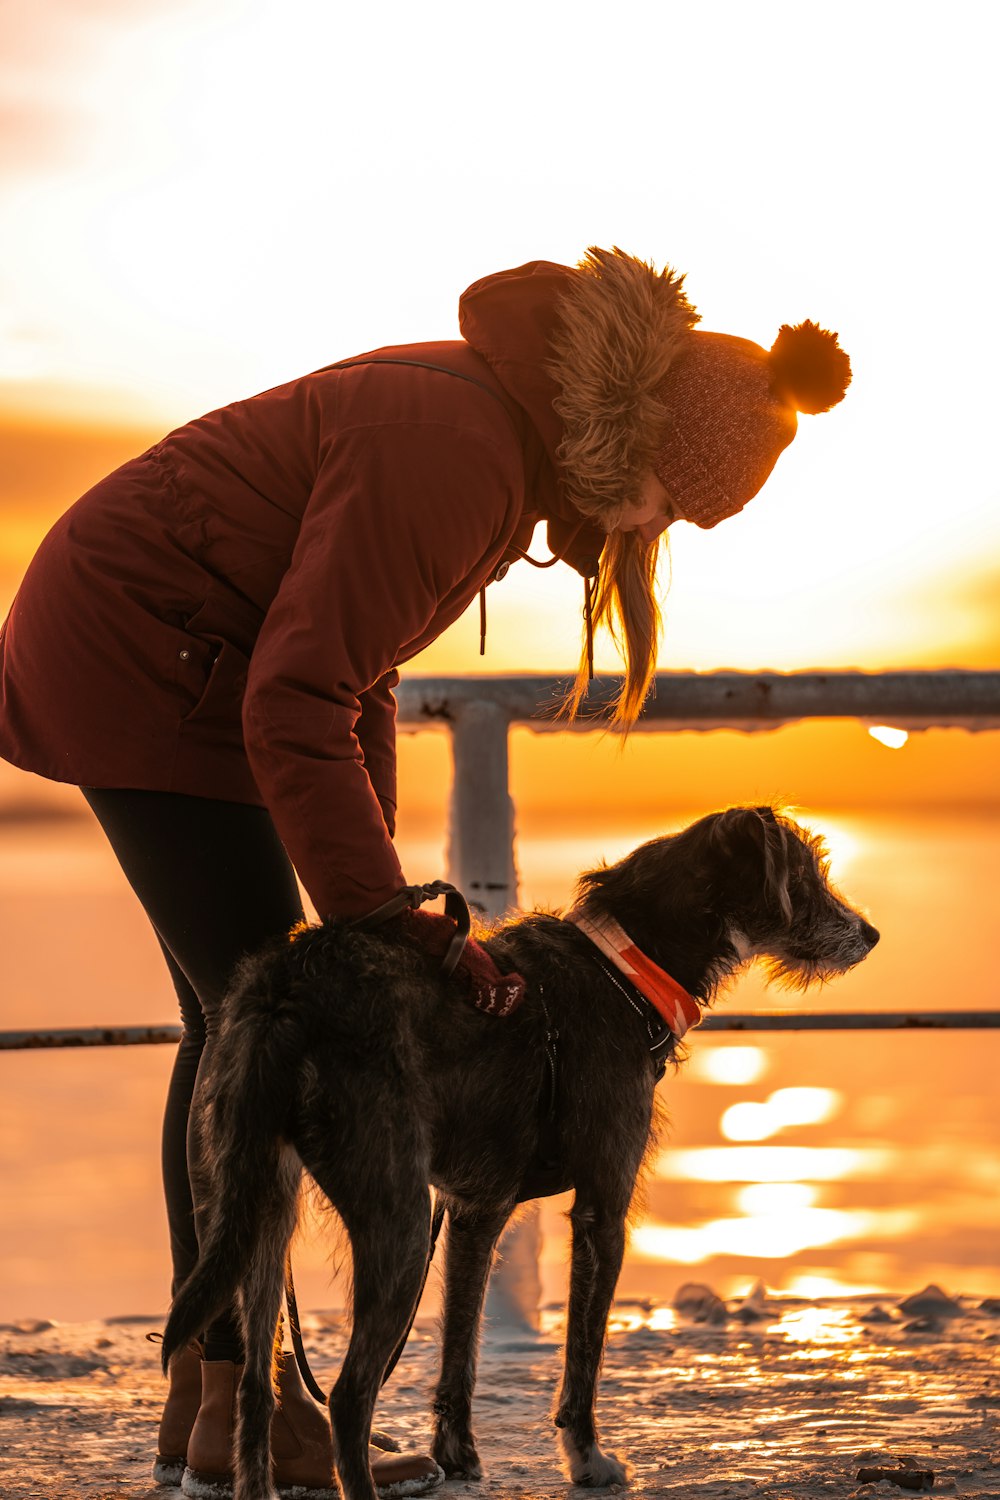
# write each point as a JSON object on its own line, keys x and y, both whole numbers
{"x": 410, "y": 898}
{"x": 294, "y": 1324}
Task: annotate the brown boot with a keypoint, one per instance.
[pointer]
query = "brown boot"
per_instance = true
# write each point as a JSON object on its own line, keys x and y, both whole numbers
{"x": 179, "y": 1412}
{"x": 301, "y": 1443}
{"x": 393, "y": 1473}
{"x": 403, "y": 1473}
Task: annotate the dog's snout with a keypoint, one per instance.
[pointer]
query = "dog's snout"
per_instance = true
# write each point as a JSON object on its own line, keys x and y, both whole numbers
{"x": 869, "y": 933}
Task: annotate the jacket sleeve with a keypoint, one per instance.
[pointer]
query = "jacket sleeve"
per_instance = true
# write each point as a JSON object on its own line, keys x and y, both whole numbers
{"x": 376, "y": 734}
{"x": 400, "y": 528}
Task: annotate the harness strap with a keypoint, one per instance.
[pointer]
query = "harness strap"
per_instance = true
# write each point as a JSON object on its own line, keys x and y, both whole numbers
{"x": 661, "y": 1039}
{"x": 547, "y": 1152}
{"x": 308, "y": 1378}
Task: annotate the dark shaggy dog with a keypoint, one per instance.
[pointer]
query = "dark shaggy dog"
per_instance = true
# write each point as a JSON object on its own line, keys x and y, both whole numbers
{"x": 341, "y": 1051}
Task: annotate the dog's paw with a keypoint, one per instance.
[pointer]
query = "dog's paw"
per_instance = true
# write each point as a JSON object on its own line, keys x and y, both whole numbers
{"x": 601, "y": 1471}
{"x": 592, "y": 1467}
{"x": 457, "y": 1457}
{"x": 469, "y": 1469}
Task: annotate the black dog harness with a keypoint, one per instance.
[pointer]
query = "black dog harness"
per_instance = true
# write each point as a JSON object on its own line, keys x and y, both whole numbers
{"x": 662, "y": 1040}
{"x": 546, "y": 1174}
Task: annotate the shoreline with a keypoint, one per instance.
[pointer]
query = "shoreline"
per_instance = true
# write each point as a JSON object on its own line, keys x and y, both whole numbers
{"x": 774, "y": 1398}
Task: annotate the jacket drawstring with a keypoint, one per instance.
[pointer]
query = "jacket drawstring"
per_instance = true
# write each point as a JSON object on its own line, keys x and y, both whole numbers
{"x": 589, "y": 586}
{"x": 523, "y": 556}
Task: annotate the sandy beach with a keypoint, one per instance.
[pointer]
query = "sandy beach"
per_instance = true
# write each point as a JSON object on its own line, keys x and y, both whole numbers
{"x": 775, "y": 1398}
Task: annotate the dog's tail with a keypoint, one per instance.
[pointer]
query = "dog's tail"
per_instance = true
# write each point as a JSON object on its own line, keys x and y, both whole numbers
{"x": 251, "y": 1172}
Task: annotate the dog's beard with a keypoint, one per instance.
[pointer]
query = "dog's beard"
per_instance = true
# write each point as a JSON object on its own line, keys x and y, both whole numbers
{"x": 800, "y": 971}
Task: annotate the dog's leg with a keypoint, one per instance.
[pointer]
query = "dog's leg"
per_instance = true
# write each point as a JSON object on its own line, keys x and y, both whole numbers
{"x": 390, "y": 1242}
{"x": 598, "y": 1249}
{"x": 260, "y": 1305}
{"x": 471, "y": 1241}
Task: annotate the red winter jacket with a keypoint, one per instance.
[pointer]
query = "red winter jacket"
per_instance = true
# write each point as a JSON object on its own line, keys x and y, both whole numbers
{"x": 225, "y": 615}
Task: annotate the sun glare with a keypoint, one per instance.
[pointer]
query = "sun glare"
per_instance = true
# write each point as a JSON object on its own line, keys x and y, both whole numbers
{"x": 804, "y": 1106}
{"x": 842, "y": 841}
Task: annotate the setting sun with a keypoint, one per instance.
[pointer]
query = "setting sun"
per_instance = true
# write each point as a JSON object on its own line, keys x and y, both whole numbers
{"x": 893, "y": 739}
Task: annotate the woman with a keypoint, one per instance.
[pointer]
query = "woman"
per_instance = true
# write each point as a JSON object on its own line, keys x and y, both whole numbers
{"x": 207, "y": 642}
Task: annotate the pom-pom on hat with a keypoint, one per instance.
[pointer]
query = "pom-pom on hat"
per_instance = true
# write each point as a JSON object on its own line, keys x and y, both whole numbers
{"x": 731, "y": 408}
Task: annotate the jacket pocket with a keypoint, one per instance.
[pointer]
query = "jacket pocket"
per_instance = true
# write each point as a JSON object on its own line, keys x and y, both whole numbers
{"x": 220, "y": 640}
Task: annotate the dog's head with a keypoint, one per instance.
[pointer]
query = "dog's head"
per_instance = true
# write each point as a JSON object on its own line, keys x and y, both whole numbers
{"x": 782, "y": 906}
{"x": 741, "y": 884}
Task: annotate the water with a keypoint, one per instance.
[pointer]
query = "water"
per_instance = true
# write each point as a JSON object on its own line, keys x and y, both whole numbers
{"x": 863, "y": 1162}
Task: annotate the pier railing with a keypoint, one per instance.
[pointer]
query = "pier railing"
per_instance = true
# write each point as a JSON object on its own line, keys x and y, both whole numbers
{"x": 478, "y": 712}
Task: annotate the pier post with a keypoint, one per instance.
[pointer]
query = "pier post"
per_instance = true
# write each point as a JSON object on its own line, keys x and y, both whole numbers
{"x": 481, "y": 823}
{"x": 481, "y": 864}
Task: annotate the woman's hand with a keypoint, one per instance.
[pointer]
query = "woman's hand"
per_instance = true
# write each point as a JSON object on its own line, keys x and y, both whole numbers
{"x": 489, "y": 990}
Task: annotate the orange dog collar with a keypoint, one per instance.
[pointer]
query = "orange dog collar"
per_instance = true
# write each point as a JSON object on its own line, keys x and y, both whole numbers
{"x": 679, "y": 1010}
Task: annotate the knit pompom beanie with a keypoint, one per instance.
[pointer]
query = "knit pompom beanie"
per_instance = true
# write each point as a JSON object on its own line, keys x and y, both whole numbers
{"x": 730, "y": 410}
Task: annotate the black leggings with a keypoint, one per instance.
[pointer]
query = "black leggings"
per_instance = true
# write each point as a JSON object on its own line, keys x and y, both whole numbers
{"x": 216, "y": 884}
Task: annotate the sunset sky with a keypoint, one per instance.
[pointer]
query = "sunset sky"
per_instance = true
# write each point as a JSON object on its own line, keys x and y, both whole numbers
{"x": 206, "y": 199}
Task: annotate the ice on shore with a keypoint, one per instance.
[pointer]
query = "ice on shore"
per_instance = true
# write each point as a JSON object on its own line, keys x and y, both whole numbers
{"x": 791, "y": 1403}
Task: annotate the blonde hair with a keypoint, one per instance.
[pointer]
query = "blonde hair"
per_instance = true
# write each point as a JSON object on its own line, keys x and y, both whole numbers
{"x": 626, "y": 604}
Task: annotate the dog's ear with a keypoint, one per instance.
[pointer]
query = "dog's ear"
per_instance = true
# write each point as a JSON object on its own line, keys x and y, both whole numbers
{"x": 761, "y": 827}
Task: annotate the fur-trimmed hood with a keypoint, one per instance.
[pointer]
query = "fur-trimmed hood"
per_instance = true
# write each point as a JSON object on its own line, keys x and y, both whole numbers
{"x": 584, "y": 350}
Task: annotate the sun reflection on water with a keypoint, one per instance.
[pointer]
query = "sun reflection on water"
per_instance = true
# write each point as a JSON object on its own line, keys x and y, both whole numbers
{"x": 821, "y": 1325}
{"x": 776, "y": 1197}
{"x": 749, "y": 1121}
{"x": 771, "y": 1235}
{"x": 728, "y": 1065}
{"x": 775, "y": 1163}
